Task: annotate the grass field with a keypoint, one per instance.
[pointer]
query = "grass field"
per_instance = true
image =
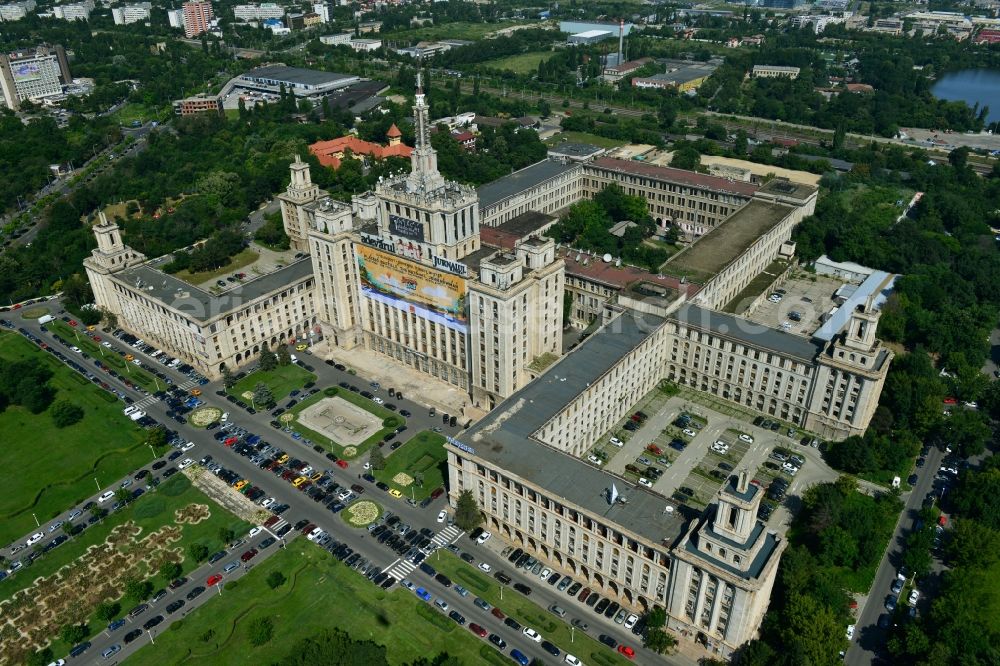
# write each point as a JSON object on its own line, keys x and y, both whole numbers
{"x": 282, "y": 380}
{"x": 336, "y": 447}
{"x": 457, "y": 30}
{"x": 320, "y": 593}
{"x": 526, "y": 612}
{"x": 584, "y": 137}
{"x": 238, "y": 261}
{"x": 423, "y": 454}
{"x": 523, "y": 63}
{"x": 150, "y": 512}
{"x": 46, "y": 469}
{"x": 78, "y": 337}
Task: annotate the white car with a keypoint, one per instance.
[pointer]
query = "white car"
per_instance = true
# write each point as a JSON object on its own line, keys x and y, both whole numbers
{"x": 532, "y": 634}
{"x": 442, "y": 516}
{"x": 367, "y": 466}
{"x": 188, "y": 446}
{"x": 790, "y": 469}
{"x": 483, "y": 538}
{"x": 546, "y": 572}
{"x": 631, "y": 620}
{"x": 485, "y": 567}
{"x": 224, "y": 417}
{"x": 617, "y": 442}
{"x": 35, "y": 538}
{"x": 572, "y": 661}
{"x": 645, "y": 482}
{"x": 128, "y": 410}
{"x": 267, "y": 502}
{"x": 914, "y": 595}
{"x": 254, "y": 531}
{"x": 75, "y": 350}
{"x": 315, "y": 533}
{"x": 689, "y": 432}
{"x": 106, "y": 496}
{"x": 746, "y": 438}
{"x": 106, "y": 344}
{"x": 378, "y": 401}
{"x": 850, "y": 632}
{"x": 184, "y": 464}
{"x": 595, "y": 460}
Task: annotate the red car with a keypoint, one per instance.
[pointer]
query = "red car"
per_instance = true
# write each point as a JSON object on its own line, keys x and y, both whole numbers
{"x": 437, "y": 492}
{"x": 584, "y": 593}
{"x": 477, "y": 630}
{"x": 627, "y": 651}
{"x": 653, "y": 448}
{"x": 231, "y": 440}
{"x": 342, "y": 464}
{"x": 213, "y": 579}
{"x": 497, "y": 613}
{"x": 249, "y": 555}
{"x": 72, "y": 322}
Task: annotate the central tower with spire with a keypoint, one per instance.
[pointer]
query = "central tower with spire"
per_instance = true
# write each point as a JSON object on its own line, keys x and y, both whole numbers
{"x": 421, "y": 214}
{"x": 424, "y": 176}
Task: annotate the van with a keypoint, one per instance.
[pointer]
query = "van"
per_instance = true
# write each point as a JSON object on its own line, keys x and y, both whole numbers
{"x": 503, "y": 578}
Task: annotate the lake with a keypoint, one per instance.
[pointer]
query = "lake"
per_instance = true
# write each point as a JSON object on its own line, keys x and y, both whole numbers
{"x": 971, "y": 86}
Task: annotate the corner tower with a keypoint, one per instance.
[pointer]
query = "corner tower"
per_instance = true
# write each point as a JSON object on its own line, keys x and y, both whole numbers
{"x": 110, "y": 256}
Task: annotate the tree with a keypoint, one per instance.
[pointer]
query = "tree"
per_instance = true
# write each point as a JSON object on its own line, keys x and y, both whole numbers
{"x": 76, "y": 291}
{"x": 284, "y": 356}
{"x": 659, "y": 640}
{"x": 262, "y": 395}
{"x": 418, "y": 479}
{"x": 74, "y": 633}
{"x": 198, "y": 551}
{"x": 268, "y": 361}
{"x": 109, "y": 319}
{"x": 68, "y": 527}
{"x": 107, "y": 610}
{"x": 376, "y": 458}
{"x": 98, "y": 512}
{"x": 467, "y": 515}
{"x": 686, "y": 158}
{"x": 157, "y": 437}
{"x": 65, "y": 413}
{"x": 228, "y": 379}
{"x": 42, "y": 657}
{"x": 261, "y": 631}
{"x": 657, "y": 617}
{"x": 275, "y": 579}
{"x": 123, "y": 495}
{"x": 227, "y": 534}
{"x": 137, "y": 590}
{"x": 170, "y": 570}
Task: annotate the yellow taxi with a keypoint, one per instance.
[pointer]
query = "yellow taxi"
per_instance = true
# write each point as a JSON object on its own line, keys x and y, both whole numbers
{"x": 129, "y": 357}
{"x": 195, "y": 392}
{"x": 316, "y": 476}
{"x": 283, "y": 459}
{"x": 91, "y": 328}
{"x": 301, "y": 347}
{"x": 240, "y": 485}
{"x": 299, "y": 481}
{"x": 395, "y": 493}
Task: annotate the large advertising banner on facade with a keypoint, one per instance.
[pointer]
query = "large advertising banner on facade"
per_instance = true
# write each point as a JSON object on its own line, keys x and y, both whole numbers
{"x": 26, "y": 71}
{"x": 412, "y": 287}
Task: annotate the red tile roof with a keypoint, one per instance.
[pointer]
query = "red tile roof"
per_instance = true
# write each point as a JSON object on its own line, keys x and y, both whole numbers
{"x": 689, "y": 178}
{"x": 393, "y": 132}
{"x": 593, "y": 267}
{"x": 328, "y": 152}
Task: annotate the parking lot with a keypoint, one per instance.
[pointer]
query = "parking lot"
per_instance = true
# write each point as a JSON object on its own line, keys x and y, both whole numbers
{"x": 687, "y": 451}
{"x": 808, "y": 296}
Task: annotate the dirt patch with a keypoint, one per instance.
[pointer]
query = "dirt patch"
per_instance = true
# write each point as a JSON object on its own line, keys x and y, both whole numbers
{"x": 226, "y": 495}
{"x": 30, "y": 618}
{"x": 192, "y": 514}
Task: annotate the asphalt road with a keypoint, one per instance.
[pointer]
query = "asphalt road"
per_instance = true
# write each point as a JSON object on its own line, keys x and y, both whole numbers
{"x": 869, "y": 644}
{"x": 302, "y": 507}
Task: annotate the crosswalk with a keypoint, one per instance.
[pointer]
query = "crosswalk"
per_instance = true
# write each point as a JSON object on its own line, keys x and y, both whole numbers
{"x": 402, "y": 568}
{"x": 145, "y": 402}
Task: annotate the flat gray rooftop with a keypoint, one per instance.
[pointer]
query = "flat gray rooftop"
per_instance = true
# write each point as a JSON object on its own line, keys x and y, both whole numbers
{"x": 748, "y": 332}
{"x": 878, "y": 285}
{"x": 726, "y": 242}
{"x": 528, "y": 177}
{"x": 295, "y": 75}
{"x": 199, "y": 304}
{"x": 504, "y": 439}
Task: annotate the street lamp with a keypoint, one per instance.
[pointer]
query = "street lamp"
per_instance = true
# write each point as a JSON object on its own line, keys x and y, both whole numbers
{"x": 151, "y": 641}
{"x": 37, "y": 524}
{"x": 151, "y": 450}
{"x": 98, "y": 484}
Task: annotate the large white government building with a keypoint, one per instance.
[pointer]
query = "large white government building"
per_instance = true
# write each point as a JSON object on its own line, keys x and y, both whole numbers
{"x": 463, "y": 285}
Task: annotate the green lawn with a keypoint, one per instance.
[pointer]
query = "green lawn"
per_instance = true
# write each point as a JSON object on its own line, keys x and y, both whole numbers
{"x": 584, "y": 137}
{"x": 238, "y": 261}
{"x": 320, "y": 593}
{"x": 150, "y": 512}
{"x": 282, "y": 380}
{"x": 525, "y": 611}
{"x": 523, "y": 63}
{"x": 425, "y": 454}
{"x": 78, "y": 336}
{"x": 456, "y": 30}
{"x": 350, "y": 396}
{"x": 46, "y": 469}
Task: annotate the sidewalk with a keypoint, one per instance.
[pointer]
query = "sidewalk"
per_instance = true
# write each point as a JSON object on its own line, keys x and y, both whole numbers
{"x": 413, "y": 384}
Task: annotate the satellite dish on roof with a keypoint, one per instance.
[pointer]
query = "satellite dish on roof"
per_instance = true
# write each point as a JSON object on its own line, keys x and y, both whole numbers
{"x": 607, "y": 258}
